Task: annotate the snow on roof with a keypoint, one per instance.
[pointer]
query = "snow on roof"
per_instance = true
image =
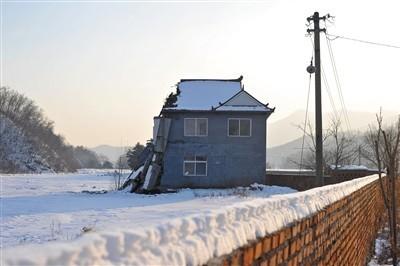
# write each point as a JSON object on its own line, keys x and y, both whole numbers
{"x": 205, "y": 94}
{"x": 350, "y": 167}
{"x": 220, "y": 94}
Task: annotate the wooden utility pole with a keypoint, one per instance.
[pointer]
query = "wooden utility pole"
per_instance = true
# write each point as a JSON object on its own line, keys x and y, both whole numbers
{"x": 318, "y": 106}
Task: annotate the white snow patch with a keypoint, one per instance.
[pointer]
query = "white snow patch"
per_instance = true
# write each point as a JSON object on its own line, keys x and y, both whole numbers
{"x": 196, "y": 234}
{"x": 382, "y": 246}
{"x": 353, "y": 167}
{"x": 350, "y": 167}
{"x": 23, "y": 185}
{"x": 205, "y": 94}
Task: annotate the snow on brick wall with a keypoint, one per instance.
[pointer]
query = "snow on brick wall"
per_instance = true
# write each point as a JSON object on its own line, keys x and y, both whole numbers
{"x": 189, "y": 240}
{"x": 343, "y": 233}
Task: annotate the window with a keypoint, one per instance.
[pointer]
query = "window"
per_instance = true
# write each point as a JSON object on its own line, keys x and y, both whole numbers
{"x": 195, "y": 165}
{"x": 196, "y": 127}
{"x": 239, "y": 127}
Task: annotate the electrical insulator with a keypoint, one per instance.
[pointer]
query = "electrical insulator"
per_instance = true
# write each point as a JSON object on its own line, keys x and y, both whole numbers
{"x": 311, "y": 69}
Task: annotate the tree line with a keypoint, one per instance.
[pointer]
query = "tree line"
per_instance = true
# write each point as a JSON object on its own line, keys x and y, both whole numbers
{"x": 52, "y": 148}
{"x": 341, "y": 148}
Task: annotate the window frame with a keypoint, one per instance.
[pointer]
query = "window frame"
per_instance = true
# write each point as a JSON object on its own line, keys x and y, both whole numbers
{"x": 240, "y": 136}
{"x": 195, "y": 126}
{"x": 195, "y": 161}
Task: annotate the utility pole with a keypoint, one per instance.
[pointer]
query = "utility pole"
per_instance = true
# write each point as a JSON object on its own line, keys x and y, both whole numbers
{"x": 319, "y": 172}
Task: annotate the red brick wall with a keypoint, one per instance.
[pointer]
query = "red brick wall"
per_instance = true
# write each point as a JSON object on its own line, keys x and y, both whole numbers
{"x": 341, "y": 234}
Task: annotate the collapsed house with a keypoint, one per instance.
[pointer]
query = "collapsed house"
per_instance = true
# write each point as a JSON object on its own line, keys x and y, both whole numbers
{"x": 211, "y": 133}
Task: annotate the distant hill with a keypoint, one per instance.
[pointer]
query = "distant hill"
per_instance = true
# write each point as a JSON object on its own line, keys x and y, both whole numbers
{"x": 286, "y": 129}
{"x": 111, "y": 152}
{"x": 28, "y": 143}
{"x": 282, "y": 156}
{"x": 277, "y": 157}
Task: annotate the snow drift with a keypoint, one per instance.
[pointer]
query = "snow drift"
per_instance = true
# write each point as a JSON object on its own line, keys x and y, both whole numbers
{"x": 189, "y": 240}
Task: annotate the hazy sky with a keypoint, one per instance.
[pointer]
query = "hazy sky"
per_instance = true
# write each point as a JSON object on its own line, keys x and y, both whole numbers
{"x": 101, "y": 70}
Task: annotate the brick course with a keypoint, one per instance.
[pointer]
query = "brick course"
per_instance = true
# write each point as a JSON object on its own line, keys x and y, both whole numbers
{"x": 340, "y": 234}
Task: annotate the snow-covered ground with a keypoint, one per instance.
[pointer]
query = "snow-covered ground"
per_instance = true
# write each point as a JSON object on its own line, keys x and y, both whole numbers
{"x": 184, "y": 228}
{"x": 48, "y": 207}
{"x": 381, "y": 254}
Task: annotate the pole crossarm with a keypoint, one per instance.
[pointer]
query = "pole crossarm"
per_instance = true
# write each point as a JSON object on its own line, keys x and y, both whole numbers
{"x": 312, "y": 30}
{"x": 316, "y": 16}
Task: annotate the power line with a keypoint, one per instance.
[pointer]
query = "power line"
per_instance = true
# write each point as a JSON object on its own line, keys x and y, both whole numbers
{"x": 362, "y": 41}
{"x": 327, "y": 88}
{"x": 305, "y": 125}
{"x": 338, "y": 84}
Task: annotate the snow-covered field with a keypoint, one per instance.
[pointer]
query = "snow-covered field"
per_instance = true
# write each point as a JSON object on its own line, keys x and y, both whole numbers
{"x": 184, "y": 228}
{"x": 49, "y": 207}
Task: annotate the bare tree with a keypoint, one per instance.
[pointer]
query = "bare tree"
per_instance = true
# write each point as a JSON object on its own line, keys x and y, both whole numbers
{"x": 339, "y": 147}
{"x": 385, "y": 143}
{"x": 343, "y": 149}
{"x": 307, "y": 154}
{"x": 120, "y": 166}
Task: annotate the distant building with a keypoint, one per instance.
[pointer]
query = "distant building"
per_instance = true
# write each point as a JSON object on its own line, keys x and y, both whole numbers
{"x": 215, "y": 136}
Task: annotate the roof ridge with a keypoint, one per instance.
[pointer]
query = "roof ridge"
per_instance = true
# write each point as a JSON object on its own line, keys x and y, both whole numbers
{"x": 239, "y": 79}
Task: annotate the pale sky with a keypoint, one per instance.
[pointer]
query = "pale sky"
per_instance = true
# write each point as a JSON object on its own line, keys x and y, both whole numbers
{"x": 101, "y": 70}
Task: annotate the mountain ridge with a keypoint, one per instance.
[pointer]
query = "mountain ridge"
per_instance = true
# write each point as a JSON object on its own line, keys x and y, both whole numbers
{"x": 111, "y": 152}
{"x": 286, "y": 129}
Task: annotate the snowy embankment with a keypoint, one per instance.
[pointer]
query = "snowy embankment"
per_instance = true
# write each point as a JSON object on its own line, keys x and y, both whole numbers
{"x": 189, "y": 227}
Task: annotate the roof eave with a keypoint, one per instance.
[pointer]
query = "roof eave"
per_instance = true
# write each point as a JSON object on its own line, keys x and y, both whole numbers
{"x": 215, "y": 111}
